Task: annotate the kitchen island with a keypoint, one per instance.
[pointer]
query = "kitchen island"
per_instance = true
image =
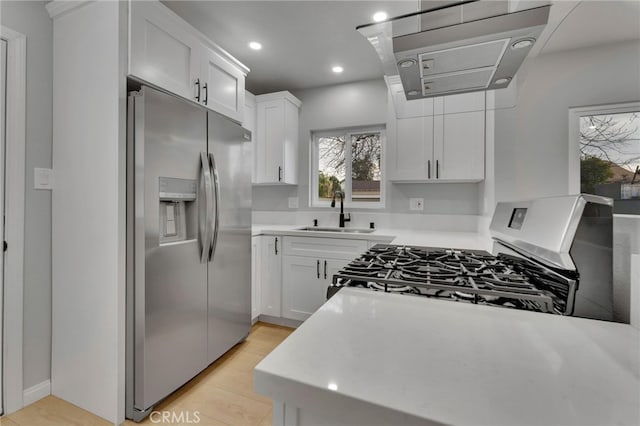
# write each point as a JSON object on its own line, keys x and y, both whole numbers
{"x": 377, "y": 358}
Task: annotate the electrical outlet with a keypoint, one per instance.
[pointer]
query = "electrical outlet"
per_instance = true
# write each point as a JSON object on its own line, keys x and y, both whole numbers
{"x": 293, "y": 202}
{"x": 416, "y": 203}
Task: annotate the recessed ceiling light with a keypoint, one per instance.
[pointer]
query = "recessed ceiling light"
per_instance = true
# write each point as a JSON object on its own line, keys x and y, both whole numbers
{"x": 255, "y": 45}
{"x": 503, "y": 80}
{"x": 380, "y": 16}
{"x": 337, "y": 69}
{"x": 413, "y": 93}
{"x": 406, "y": 63}
{"x": 521, "y": 44}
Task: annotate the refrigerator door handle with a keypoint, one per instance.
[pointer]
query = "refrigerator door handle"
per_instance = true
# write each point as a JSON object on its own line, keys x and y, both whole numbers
{"x": 216, "y": 208}
{"x": 205, "y": 218}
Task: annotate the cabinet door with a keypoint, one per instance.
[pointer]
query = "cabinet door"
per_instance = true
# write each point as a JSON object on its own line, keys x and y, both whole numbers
{"x": 271, "y": 276}
{"x": 162, "y": 50}
{"x": 412, "y": 149}
{"x": 256, "y": 273}
{"x": 290, "y": 165}
{"x": 459, "y": 148}
{"x": 222, "y": 86}
{"x": 303, "y": 286}
{"x": 331, "y": 267}
{"x": 249, "y": 123}
{"x": 270, "y": 129}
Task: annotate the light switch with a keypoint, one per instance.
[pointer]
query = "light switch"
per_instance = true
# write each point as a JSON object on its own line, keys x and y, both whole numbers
{"x": 42, "y": 178}
{"x": 293, "y": 202}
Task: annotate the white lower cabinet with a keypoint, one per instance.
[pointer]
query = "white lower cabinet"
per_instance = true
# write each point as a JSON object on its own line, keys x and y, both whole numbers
{"x": 304, "y": 284}
{"x": 291, "y": 275}
{"x": 271, "y": 276}
{"x": 256, "y": 274}
{"x": 307, "y": 271}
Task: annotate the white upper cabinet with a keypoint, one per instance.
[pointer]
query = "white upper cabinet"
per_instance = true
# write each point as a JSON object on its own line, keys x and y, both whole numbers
{"x": 167, "y": 52}
{"x": 447, "y": 144}
{"x": 222, "y": 86}
{"x": 459, "y": 146}
{"x": 162, "y": 51}
{"x": 276, "y": 142}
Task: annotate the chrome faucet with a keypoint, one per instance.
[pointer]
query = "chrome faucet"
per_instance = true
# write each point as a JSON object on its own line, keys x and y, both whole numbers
{"x": 333, "y": 204}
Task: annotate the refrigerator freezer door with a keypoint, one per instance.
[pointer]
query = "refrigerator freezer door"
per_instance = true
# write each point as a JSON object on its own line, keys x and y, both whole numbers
{"x": 229, "y": 271}
{"x": 170, "y": 294}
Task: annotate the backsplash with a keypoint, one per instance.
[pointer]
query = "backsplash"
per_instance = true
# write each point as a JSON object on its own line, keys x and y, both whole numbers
{"x": 361, "y": 219}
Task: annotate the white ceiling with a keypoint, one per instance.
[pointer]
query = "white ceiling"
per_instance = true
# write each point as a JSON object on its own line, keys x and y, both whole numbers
{"x": 303, "y": 39}
{"x": 594, "y": 23}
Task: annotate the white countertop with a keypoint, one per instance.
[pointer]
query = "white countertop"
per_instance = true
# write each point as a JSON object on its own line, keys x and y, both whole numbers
{"x": 458, "y": 363}
{"x": 461, "y": 240}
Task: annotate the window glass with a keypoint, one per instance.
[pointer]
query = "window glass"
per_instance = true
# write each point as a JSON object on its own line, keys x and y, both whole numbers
{"x": 331, "y": 166}
{"x": 610, "y": 153}
{"x": 348, "y": 161}
{"x": 365, "y": 167}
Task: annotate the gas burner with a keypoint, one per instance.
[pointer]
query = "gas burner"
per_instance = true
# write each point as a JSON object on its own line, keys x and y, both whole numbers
{"x": 391, "y": 288}
{"x": 470, "y": 276}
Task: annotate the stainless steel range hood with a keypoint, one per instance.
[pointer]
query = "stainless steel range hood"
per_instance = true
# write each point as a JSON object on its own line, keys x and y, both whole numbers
{"x": 457, "y": 47}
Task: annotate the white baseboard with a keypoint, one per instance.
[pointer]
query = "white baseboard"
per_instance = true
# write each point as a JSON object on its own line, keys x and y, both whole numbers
{"x": 36, "y": 392}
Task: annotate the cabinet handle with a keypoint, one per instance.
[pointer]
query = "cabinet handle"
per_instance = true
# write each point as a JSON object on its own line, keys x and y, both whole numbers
{"x": 437, "y": 170}
{"x": 428, "y": 169}
{"x": 279, "y": 173}
{"x": 276, "y": 245}
{"x": 198, "y": 92}
{"x": 325, "y": 269}
{"x": 206, "y": 93}
{"x": 318, "y": 268}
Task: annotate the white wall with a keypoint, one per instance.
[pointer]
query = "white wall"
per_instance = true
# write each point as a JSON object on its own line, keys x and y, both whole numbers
{"x": 31, "y": 19}
{"x": 531, "y": 140}
{"x": 361, "y": 103}
{"x": 88, "y": 210}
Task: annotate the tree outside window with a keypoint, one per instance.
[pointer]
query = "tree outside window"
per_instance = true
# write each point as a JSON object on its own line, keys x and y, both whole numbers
{"x": 349, "y": 162}
{"x": 609, "y": 151}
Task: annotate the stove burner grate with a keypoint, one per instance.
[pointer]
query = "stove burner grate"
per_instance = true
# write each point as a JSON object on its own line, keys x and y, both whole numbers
{"x": 463, "y": 275}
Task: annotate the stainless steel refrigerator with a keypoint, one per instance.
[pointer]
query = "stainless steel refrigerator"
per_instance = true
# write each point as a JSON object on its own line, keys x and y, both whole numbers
{"x": 188, "y": 243}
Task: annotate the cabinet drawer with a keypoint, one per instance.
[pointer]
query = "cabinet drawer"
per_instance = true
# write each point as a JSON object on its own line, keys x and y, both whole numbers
{"x": 325, "y": 248}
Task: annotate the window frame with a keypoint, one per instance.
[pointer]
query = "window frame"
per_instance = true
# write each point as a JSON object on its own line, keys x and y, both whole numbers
{"x": 314, "y": 200}
{"x": 574, "y": 135}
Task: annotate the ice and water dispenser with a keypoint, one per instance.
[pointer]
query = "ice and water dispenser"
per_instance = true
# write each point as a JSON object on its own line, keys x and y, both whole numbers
{"x": 178, "y": 211}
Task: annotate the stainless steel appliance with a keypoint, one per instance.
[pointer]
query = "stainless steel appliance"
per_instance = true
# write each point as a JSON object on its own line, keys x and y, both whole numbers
{"x": 456, "y": 46}
{"x": 188, "y": 243}
{"x": 550, "y": 255}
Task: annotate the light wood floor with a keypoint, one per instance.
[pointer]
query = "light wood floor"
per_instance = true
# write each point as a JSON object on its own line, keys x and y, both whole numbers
{"x": 222, "y": 394}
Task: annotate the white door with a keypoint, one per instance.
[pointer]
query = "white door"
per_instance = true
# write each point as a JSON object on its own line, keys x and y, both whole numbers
{"x": 3, "y": 101}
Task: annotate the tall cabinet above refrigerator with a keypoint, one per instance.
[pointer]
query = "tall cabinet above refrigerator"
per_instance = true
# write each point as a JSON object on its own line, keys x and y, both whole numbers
{"x": 188, "y": 243}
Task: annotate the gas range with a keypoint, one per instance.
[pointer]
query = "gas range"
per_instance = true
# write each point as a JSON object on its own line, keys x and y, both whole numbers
{"x": 470, "y": 276}
{"x": 551, "y": 255}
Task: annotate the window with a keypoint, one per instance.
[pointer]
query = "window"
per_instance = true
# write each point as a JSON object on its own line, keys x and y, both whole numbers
{"x": 604, "y": 150}
{"x": 609, "y": 151}
{"x": 349, "y": 161}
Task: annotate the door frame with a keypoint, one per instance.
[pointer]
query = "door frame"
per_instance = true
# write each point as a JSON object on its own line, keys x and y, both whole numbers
{"x": 14, "y": 218}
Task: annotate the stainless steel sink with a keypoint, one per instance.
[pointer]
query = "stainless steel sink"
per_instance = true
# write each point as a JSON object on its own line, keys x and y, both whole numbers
{"x": 336, "y": 229}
